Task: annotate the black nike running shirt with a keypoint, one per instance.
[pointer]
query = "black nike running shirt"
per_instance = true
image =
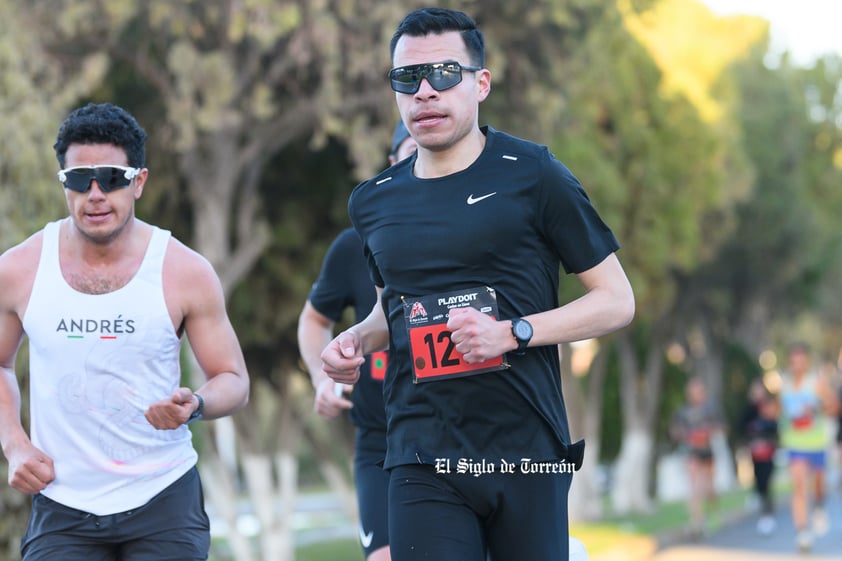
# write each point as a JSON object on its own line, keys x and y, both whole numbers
{"x": 509, "y": 221}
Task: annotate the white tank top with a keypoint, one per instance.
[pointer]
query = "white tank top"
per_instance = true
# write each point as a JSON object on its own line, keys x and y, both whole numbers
{"x": 96, "y": 363}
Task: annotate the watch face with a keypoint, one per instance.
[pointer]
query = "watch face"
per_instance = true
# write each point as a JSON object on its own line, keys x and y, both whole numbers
{"x": 523, "y": 330}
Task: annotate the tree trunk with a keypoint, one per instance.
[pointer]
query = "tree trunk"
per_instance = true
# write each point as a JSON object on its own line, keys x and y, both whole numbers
{"x": 217, "y": 182}
{"x": 286, "y": 464}
{"x": 752, "y": 327}
{"x": 220, "y": 485}
{"x": 641, "y": 392}
{"x": 584, "y": 410}
{"x": 334, "y": 473}
{"x": 630, "y": 489}
{"x": 273, "y": 506}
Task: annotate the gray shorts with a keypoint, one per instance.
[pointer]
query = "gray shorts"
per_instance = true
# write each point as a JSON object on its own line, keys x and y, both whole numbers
{"x": 172, "y": 526}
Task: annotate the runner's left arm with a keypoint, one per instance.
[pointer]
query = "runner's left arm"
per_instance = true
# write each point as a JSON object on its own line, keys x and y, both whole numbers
{"x": 607, "y": 305}
{"x": 193, "y": 289}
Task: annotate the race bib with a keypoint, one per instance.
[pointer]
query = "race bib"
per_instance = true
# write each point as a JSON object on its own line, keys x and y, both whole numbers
{"x": 762, "y": 450}
{"x": 434, "y": 356}
{"x": 803, "y": 423}
{"x": 379, "y": 361}
{"x": 699, "y": 438}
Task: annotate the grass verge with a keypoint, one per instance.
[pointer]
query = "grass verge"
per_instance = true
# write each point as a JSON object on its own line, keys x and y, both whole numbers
{"x": 347, "y": 549}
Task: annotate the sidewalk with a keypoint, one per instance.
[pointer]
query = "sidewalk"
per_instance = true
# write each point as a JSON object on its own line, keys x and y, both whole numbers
{"x": 736, "y": 539}
{"x": 741, "y": 541}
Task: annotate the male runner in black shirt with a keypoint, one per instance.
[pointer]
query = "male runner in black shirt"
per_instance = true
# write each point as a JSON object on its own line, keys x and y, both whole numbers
{"x": 345, "y": 282}
{"x": 465, "y": 242}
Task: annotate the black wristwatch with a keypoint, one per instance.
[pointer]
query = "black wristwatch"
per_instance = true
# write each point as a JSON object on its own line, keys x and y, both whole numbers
{"x": 197, "y": 414}
{"x": 522, "y": 330}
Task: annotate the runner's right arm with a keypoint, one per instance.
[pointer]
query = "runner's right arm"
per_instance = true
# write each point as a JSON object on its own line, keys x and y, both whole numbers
{"x": 30, "y": 470}
{"x": 343, "y": 356}
{"x": 315, "y": 331}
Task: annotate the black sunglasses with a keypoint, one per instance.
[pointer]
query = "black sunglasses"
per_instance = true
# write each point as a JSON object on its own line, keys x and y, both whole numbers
{"x": 440, "y": 75}
{"x": 108, "y": 178}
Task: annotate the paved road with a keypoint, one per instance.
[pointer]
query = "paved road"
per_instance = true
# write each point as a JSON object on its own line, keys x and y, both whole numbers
{"x": 741, "y": 542}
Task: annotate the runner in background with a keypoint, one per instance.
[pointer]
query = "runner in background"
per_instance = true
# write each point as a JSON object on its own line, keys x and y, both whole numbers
{"x": 694, "y": 426}
{"x": 344, "y": 282}
{"x": 760, "y": 428}
{"x": 807, "y": 400}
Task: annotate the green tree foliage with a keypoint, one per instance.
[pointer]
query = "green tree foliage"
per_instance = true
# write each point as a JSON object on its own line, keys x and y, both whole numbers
{"x": 822, "y": 85}
{"x": 694, "y": 47}
{"x": 236, "y": 83}
{"x": 665, "y": 171}
{"x": 669, "y": 171}
{"x": 663, "y": 177}
{"x": 785, "y": 247}
{"x": 776, "y": 220}
{"x": 531, "y": 61}
{"x": 306, "y": 214}
{"x": 37, "y": 90}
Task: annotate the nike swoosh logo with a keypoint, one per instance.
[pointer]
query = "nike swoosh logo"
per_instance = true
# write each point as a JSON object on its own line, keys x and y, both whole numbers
{"x": 474, "y": 200}
{"x": 365, "y": 539}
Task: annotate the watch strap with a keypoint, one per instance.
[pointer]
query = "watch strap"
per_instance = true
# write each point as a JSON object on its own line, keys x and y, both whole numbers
{"x": 522, "y": 342}
{"x": 200, "y": 410}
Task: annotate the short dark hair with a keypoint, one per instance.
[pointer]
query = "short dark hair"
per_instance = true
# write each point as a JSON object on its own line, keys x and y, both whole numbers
{"x": 427, "y": 21}
{"x": 102, "y": 123}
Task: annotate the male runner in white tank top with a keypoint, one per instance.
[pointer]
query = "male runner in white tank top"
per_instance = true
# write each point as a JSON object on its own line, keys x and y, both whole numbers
{"x": 104, "y": 299}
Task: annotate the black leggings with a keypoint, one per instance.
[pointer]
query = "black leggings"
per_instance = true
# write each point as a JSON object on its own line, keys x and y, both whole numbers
{"x": 762, "y": 479}
{"x": 494, "y": 516}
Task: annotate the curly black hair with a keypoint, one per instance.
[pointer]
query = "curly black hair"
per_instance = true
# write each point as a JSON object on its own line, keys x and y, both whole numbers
{"x": 102, "y": 123}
